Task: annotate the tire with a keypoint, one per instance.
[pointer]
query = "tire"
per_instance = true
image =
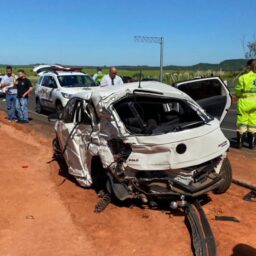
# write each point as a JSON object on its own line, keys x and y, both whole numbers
{"x": 59, "y": 108}
{"x": 56, "y": 149}
{"x": 226, "y": 174}
{"x": 98, "y": 174}
{"x": 38, "y": 107}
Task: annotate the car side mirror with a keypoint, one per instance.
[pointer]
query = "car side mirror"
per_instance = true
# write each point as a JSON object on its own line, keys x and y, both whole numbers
{"x": 53, "y": 117}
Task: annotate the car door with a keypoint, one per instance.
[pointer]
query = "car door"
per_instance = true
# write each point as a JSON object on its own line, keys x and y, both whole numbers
{"x": 210, "y": 93}
{"x": 51, "y": 93}
{"x": 73, "y": 131}
{"x": 44, "y": 91}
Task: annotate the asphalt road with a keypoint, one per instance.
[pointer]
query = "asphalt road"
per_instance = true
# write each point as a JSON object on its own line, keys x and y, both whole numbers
{"x": 228, "y": 126}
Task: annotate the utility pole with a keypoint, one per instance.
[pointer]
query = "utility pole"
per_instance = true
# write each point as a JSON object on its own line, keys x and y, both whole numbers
{"x": 154, "y": 40}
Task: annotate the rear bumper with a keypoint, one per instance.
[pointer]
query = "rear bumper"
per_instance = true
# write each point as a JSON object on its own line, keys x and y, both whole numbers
{"x": 168, "y": 188}
{"x": 191, "y": 182}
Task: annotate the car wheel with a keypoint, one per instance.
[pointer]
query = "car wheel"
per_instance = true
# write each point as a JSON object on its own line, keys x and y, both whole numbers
{"x": 59, "y": 108}
{"x": 39, "y": 108}
{"x": 99, "y": 177}
{"x": 56, "y": 149}
{"x": 226, "y": 174}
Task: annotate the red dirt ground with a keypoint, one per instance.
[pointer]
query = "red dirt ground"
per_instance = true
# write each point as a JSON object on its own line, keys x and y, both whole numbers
{"x": 43, "y": 213}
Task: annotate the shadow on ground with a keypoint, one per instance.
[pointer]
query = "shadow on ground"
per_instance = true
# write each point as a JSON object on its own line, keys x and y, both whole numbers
{"x": 243, "y": 250}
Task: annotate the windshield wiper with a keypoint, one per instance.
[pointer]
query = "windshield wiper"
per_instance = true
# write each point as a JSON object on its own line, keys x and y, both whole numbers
{"x": 187, "y": 125}
{"x": 196, "y": 123}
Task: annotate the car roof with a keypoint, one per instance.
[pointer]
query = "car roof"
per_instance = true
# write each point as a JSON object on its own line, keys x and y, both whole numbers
{"x": 147, "y": 87}
{"x": 46, "y": 69}
{"x": 64, "y": 73}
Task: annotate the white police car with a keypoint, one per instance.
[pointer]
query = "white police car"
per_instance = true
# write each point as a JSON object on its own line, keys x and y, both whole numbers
{"x": 57, "y": 84}
{"x": 2, "y": 90}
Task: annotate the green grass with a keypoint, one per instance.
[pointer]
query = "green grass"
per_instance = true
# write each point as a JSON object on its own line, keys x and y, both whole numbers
{"x": 170, "y": 76}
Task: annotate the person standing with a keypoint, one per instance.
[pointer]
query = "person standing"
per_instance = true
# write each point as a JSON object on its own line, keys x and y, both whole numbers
{"x": 8, "y": 82}
{"x": 245, "y": 92}
{"x": 24, "y": 87}
{"x": 112, "y": 79}
{"x": 97, "y": 77}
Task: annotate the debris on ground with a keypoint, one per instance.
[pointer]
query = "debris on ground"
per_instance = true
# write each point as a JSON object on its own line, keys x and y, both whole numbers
{"x": 226, "y": 218}
{"x": 103, "y": 203}
{"x": 251, "y": 196}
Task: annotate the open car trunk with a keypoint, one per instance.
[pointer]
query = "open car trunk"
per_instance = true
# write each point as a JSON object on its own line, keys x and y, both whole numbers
{"x": 210, "y": 93}
{"x": 154, "y": 115}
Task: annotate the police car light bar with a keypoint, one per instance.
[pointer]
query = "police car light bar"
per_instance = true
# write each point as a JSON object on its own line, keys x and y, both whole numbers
{"x": 56, "y": 68}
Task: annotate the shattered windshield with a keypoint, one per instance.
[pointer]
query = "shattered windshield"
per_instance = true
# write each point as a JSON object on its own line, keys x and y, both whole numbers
{"x": 76, "y": 81}
{"x": 155, "y": 115}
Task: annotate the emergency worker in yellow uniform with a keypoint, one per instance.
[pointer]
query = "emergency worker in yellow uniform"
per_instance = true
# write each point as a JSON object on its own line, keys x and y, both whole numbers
{"x": 97, "y": 77}
{"x": 245, "y": 91}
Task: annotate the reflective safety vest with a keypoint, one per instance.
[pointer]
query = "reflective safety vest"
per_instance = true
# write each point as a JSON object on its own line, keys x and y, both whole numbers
{"x": 99, "y": 78}
{"x": 246, "y": 86}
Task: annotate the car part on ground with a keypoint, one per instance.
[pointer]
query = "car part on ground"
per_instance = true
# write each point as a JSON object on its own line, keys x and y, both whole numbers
{"x": 244, "y": 184}
{"x": 103, "y": 203}
{"x": 202, "y": 237}
{"x": 226, "y": 218}
{"x": 251, "y": 196}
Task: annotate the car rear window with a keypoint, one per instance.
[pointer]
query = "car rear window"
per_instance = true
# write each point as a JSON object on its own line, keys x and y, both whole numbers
{"x": 153, "y": 115}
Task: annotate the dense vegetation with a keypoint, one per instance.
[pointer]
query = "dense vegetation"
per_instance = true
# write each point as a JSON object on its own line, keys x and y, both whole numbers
{"x": 228, "y": 70}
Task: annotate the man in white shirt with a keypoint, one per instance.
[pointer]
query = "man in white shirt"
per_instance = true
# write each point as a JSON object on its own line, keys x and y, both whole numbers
{"x": 112, "y": 79}
{"x": 8, "y": 83}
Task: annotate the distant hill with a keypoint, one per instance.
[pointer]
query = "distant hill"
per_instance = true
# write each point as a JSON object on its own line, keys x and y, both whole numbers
{"x": 226, "y": 65}
{"x": 235, "y": 64}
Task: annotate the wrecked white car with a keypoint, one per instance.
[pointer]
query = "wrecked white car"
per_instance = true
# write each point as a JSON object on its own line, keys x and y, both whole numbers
{"x": 148, "y": 140}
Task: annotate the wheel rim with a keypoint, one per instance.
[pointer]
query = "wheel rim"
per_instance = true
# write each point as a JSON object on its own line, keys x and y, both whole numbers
{"x": 38, "y": 106}
{"x": 59, "y": 108}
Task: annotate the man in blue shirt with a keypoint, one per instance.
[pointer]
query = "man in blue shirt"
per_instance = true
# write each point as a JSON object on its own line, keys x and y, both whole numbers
{"x": 8, "y": 82}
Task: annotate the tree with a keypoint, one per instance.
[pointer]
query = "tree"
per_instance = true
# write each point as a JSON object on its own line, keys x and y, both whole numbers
{"x": 251, "y": 54}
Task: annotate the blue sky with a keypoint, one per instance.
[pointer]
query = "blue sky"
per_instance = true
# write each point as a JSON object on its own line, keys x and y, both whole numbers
{"x": 101, "y": 32}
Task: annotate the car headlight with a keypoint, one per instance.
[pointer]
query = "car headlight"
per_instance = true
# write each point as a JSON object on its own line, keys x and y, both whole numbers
{"x": 66, "y": 95}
